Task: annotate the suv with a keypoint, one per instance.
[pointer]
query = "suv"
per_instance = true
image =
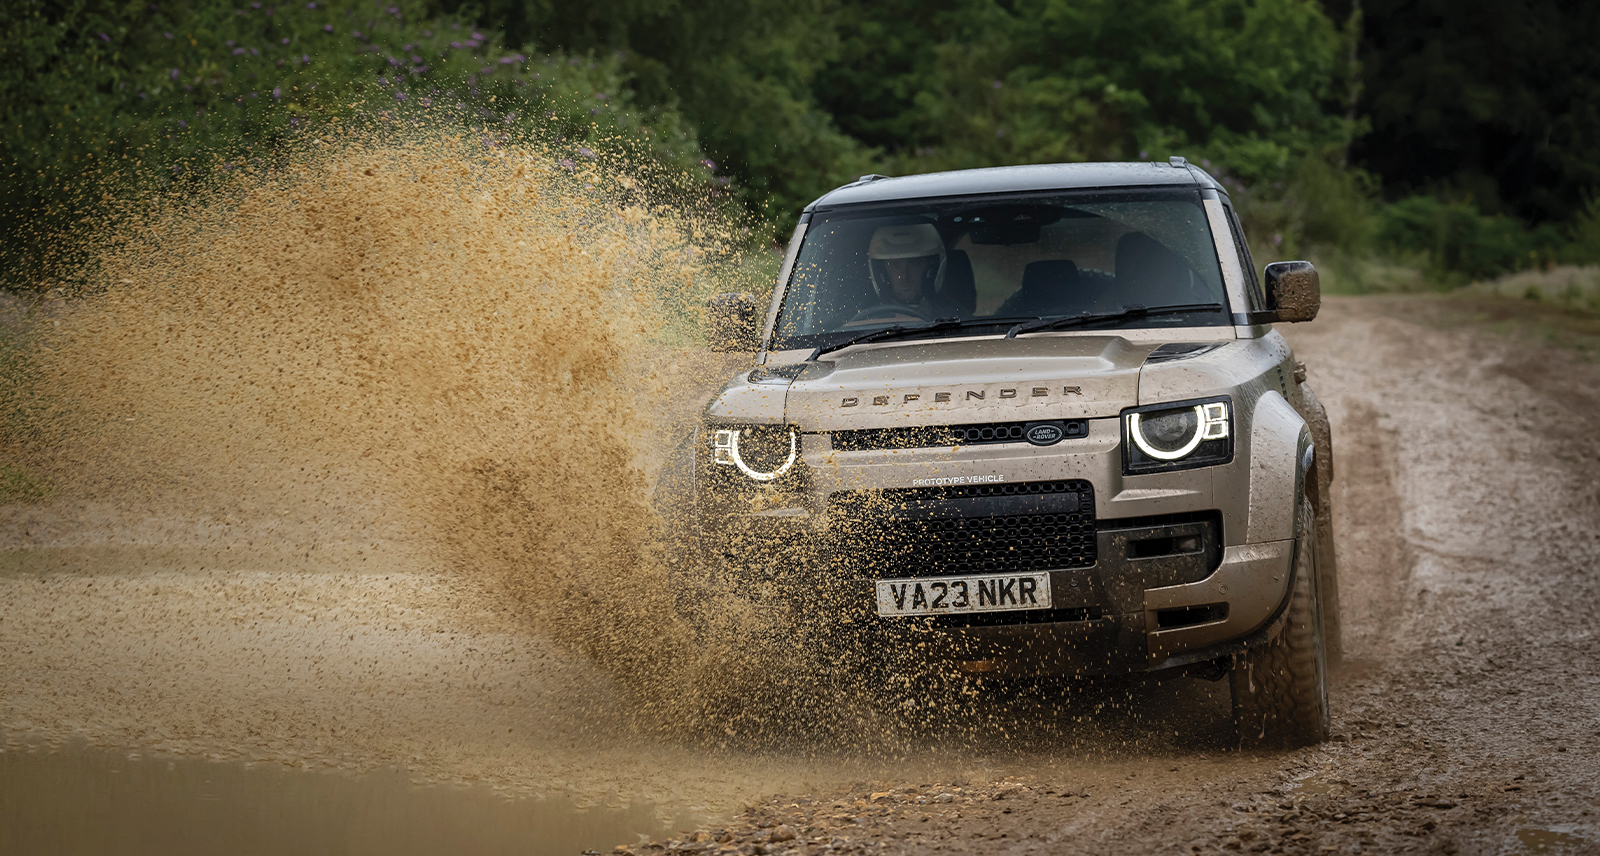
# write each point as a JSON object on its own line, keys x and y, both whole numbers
{"x": 1039, "y": 416}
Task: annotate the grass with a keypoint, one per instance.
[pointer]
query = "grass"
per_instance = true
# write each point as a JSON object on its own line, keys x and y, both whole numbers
{"x": 1571, "y": 328}
{"x": 1565, "y": 286}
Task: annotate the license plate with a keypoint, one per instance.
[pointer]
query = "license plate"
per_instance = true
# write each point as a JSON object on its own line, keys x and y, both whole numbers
{"x": 940, "y": 595}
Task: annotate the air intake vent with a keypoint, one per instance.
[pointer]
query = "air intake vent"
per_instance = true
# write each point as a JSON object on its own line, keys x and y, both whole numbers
{"x": 970, "y": 529}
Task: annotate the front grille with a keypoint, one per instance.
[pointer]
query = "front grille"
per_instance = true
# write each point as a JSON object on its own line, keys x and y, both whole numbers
{"x": 968, "y": 529}
{"x": 926, "y": 436}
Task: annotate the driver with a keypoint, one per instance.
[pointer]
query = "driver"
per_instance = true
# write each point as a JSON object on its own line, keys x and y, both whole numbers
{"x": 906, "y": 263}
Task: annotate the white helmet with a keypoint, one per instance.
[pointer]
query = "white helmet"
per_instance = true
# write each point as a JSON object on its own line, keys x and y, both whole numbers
{"x": 907, "y": 241}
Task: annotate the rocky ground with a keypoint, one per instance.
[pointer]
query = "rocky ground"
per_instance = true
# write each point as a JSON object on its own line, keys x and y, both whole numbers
{"x": 1466, "y": 715}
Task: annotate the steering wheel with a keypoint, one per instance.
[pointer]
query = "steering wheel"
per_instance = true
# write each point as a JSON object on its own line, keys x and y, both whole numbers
{"x": 886, "y": 310}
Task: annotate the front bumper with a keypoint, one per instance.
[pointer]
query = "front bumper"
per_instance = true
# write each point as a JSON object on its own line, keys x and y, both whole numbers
{"x": 1157, "y": 593}
{"x": 1120, "y": 602}
{"x": 1149, "y": 629}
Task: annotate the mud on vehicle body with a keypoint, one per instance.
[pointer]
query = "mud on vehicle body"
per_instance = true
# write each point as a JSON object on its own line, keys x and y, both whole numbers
{"x": 1039, "y": 418}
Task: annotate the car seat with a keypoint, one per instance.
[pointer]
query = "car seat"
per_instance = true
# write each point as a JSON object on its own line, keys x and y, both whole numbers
{"x": 1048, "y": 288}
{"x": 1150, "y": 274}
{"x": 960, "y": 286}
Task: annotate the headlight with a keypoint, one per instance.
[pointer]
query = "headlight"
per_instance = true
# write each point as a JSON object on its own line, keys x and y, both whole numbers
{"x": 1177, "y": 436}
{"x": 762, "y": 453}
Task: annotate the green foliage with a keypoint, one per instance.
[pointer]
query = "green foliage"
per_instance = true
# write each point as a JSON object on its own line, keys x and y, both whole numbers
{"x": 1498, "y": 102}
{"x": 1584, "y": 236}
{"x": 772, "y": 102}
{"x": 97, "y": 96}
{"x": 742, "y": 71}
{"x": 1316, "y": 207}
{"x": 1461, "y": 243}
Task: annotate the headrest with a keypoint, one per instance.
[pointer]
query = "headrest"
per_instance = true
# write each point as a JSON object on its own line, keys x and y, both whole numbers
{"x": 1050, "y": 273}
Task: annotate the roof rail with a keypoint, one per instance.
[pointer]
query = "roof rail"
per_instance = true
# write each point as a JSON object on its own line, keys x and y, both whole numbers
{"x": 1178, "y": 161}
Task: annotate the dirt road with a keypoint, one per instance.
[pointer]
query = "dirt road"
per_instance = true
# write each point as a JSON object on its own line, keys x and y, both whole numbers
{"x": 1466, "y": 716}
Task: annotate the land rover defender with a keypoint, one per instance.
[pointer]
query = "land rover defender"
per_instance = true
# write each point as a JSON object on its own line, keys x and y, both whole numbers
{"x": 1040, "y": 414}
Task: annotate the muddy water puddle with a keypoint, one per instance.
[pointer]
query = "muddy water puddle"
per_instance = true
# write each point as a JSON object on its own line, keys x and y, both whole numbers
{"x": 91, "y": 801}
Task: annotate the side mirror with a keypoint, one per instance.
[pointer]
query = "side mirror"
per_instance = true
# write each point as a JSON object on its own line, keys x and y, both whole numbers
{"x": 1294, "y": 290}
{"x": 731, "y": 323}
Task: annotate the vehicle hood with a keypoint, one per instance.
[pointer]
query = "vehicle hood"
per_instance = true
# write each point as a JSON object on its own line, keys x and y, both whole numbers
{"x": 949, "y": 383}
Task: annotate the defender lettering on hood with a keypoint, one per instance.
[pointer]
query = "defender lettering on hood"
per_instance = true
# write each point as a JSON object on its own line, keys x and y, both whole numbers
{"x": 971, "y": 395}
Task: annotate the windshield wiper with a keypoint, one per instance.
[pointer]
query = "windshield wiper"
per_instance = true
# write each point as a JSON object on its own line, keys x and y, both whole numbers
{"x": 1134, "y": 311}
{"x": 938, "y": 325}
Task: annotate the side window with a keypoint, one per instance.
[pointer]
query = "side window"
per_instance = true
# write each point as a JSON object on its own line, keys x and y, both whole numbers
{"x": 1252, "y": 282}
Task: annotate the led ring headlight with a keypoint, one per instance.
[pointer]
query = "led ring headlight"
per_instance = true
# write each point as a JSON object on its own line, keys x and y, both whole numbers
{"x": 1210, "y": 423}
{"x": 726, "y": 443}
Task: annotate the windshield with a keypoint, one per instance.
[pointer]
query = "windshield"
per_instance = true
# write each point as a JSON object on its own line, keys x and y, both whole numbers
{"x": 1002, "y": 259}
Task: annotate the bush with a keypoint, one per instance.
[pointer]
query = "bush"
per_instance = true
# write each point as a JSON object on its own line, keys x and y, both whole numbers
{"x": 1461, "y": 243}
{"x": 98, "y": 97}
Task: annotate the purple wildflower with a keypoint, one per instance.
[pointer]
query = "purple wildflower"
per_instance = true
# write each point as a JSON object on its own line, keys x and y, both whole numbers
{"x": 183, "y": 124}
{"x": 1143, "y": 154}
{"x": 277, "y": 92}
{"x": 400, "y": 96}
{"x": 255, "y": 5}
{"x": 327, "y": 28}
{"x": 394, "y": 10}
{"x": 355, "y": 33}
{"x": 174, "y": 75}
{"x": 455, "y": 45}
{"x": 567, "y": 164}
{"x": 237, "y": 51}
{"x": 415, "y": 58}
{"x": 601, "y": 96}
{"x": 305, "y": 58}
{"x": 383, "y": 81}
{"x": 285, "y": 41}
{"x": 168, "y": 35}
{"x": 472, "y": 43}
{"x": 294, "y": 121}
{"x": 311, "y": 5}
{"x": 144, "y": 96}
{"x": 229, "y": 43}
{"x": 255, "y": 52}
{"x": 393, "y": 61}
{"x": 708, "y": 163}
{"x": 586, "y": 151}
{"x": 508, "y": 60}
{"x": 104, "y": 37}
{"x": 478, "y": 36}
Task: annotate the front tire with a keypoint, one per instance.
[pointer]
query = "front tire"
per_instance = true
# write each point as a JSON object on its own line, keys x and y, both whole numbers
{"x": 1280, "y": 689}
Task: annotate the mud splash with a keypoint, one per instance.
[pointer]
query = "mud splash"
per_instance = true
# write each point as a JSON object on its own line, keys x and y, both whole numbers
{"x": 434, "y": 340}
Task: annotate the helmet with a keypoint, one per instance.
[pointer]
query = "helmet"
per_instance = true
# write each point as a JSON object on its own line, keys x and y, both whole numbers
{"x": 906, "y": 241}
